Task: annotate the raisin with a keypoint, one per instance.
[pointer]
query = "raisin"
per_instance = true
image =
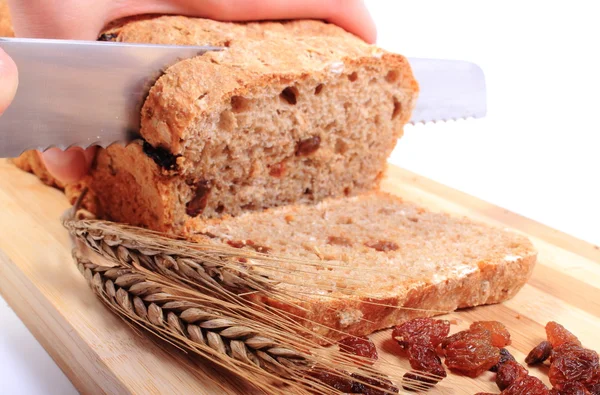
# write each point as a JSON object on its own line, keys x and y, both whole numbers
{"x": 382, "y": 245}
{"x": 338, "y": 380}
{"x": 557, "y": 334}
{"x": 539, "y": 354}
{"x": 372, "y": 386}
{"x": 505, "y": 356}
{"x": 236, "y": 243}
{"x": 277, "y": 169}
{"x": 108, "y": 37}
{"x": 425, "y": 331}
{"x": 500, "y": 335}
{"x": 471, "y": 356}
{"x": 508, "y": 373}
{"x": 483, "y": 335}
{"x": 574, "y": 363}
{"x": 161, "y": 156}
{"x": 424, "y": 359}
{"x": 196, "y": 206}
{"x": 363, "y": 347}
{"x": 572, "y": 388}
{"x": 339, "y": 241}
{"x": 529, "y": 385}
{"x": 308, "y": 146}
{"x": 563, "y": 349}
{"x": 290, "y": 95}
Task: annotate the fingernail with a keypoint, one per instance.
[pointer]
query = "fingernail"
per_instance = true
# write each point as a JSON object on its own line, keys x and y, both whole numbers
{"x": 66, "y": 166}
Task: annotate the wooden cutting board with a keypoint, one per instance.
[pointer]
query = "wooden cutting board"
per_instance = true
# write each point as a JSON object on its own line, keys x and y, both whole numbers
{"x": 100, "y": 353}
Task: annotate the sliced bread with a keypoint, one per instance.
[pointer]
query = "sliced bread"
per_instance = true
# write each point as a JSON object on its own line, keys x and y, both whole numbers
{"x": 288, "y": 113}
{"x": 386, "y": 254}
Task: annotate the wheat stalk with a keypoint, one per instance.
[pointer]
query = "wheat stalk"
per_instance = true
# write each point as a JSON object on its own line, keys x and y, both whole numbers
{"x": 207, "y": 331}
{"x": 190, "y": 325}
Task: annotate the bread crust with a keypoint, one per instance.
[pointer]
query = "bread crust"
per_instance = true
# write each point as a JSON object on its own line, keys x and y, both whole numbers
{"x": 493, "y": 283}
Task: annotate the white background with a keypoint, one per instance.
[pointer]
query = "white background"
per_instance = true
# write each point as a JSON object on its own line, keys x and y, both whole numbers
{"x": 536, "y": 153}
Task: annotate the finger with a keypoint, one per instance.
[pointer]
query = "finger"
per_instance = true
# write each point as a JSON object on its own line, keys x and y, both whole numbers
{"x": 351, "y": 15}
{"x": 60, "y": 19}
{"x": 68, "y": 166}
{"x": 9, "y": 80}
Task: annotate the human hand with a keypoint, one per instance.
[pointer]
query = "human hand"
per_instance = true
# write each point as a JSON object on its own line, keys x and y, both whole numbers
{"x": 76, "y": 19}
{"x": 9, "y": 79}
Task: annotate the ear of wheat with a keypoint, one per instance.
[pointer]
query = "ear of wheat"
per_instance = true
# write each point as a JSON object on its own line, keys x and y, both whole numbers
{"x": 193, "y": 297}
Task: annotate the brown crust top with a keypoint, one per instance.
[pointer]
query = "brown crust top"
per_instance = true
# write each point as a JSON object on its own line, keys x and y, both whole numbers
{"x": 258, "y": 57}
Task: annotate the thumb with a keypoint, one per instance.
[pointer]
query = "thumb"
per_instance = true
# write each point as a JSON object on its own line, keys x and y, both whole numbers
{"x": 68, "y": 166}
{"x": 9, "y": 80}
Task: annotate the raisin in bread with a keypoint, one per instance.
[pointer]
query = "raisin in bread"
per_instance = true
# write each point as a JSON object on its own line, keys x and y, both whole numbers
{"x": 392, "y": 253}
{"x": 288, "y": 113}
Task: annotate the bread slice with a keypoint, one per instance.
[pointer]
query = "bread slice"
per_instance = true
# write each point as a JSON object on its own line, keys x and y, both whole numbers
{"x": 390, "y": 254}
{"x": 288, "y": 113}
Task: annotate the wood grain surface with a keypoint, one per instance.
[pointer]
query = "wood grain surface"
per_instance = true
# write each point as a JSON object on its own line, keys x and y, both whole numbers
{"x": 100, "y": 353}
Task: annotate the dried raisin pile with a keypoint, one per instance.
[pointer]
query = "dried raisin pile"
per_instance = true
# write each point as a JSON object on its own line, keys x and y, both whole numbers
{"x": 471, "y": 356}
{"x": 557, "y": 335}
{"x": 508, "y": 373}
{"x": 425, "y": 331}
{"x": 362, "y": 347}
{"x": 500, "y": 335}
{"x": 539, "y": 353}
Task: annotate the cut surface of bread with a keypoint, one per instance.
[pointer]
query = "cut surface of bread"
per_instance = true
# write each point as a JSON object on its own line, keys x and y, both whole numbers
{"x": 385, "y": 253}
{"x": 287, "y": 113}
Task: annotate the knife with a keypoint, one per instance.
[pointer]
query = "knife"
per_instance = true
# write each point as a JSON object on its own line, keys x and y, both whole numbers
{"x": 83, "y": 93}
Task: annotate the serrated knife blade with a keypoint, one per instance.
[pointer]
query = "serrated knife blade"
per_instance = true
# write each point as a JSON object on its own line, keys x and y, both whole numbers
{"x": 83, "y": 93}
{"x": 449, "y": 90}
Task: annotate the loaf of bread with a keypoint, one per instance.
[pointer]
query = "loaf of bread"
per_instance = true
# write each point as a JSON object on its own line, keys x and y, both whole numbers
{"x": 288, "y": 113}
{"x": 392, "y": 253}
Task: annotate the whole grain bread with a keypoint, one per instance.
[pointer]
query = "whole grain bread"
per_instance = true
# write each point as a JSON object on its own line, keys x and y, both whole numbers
{"x": 392, "y": 254}
{"x": 289, "y": 113}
